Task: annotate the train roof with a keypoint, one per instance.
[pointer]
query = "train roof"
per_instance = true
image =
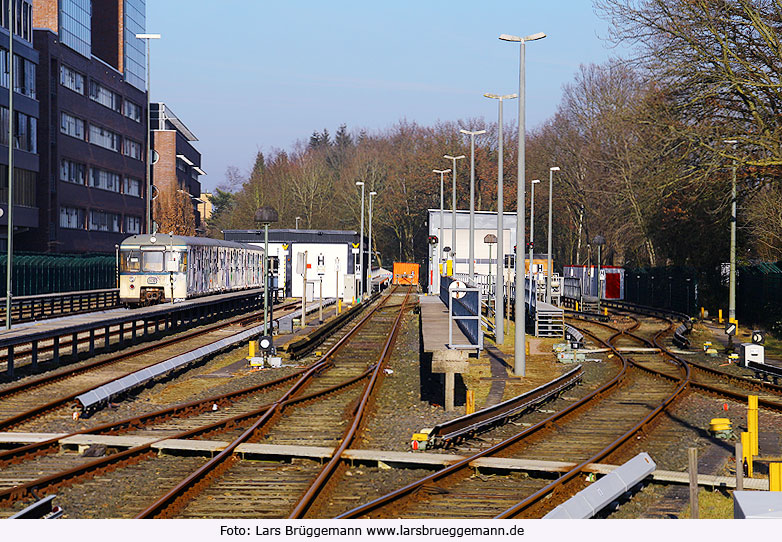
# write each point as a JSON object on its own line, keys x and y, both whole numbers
{"x": 164, "y": 240}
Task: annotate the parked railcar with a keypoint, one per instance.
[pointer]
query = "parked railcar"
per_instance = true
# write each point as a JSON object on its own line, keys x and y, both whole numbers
{"x": 162, "y": 267}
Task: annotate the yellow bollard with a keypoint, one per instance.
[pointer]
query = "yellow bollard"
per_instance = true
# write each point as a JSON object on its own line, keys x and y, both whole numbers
{"x": 469, "y": 405}
{"x": 449, "y": 268}
{"x": 605, "y": 311}
{"x": 526, "y": 347}
{"x": 752, "y": 423}
{"x": 576, "y": 306}
{"x": 339, "y": 306}
{"x": 703, "y": 313}
{"x": 775, "y": 476}
{"x": 719, "y": 317}
{"x": 746, "y": 454}
{"x": 252, "y": 349}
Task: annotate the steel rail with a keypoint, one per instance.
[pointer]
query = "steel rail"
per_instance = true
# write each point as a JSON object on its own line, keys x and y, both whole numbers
{"x": 65, "y": 399}
{"x": 308, "y": 499}
{"x": 172, "y": 501}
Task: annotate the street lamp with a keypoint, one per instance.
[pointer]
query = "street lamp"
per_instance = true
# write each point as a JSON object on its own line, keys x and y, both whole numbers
{"x": 733, "y": 218}
{"x": 471, "y": 264}
{"x": 453, "y": 159}
{"x": 551, "y": 171}
{"x": 519, "y": 363}
{"x": 10, "y": 209}
{"x": 599, "y": 240}
{"x": 297, "y": 222}
{"x": 147, "y": 190}
{"x": 441, "y": 241}
{"x": 532, "y": 223}
{"x": 491, "y": 239}
{"x": 361, "y": 245}
{"x": 499, "y": 284}
{"x": 369, "y": 269}
{"x": 265, "y": 216}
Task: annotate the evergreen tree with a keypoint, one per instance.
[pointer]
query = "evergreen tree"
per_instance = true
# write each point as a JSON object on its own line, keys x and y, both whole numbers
{"x": 343, "y": 139}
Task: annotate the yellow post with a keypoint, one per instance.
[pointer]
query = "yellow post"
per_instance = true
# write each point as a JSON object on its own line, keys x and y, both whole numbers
{"x": 733, "y": 321}
{"x": 252, "y": 349}
{"x": 576, "y": 306}
{"x": 703, "y": 313}
{"x": 526, "y": 347}
{"x": 469, "y": 406}
{"x": 449, "y": 268}
{"x": 339, "y": 306}
{"x": 719, "y": 317}
{"x": 775, "y": 476}
{"x": 746, "y": 454}
{"x": 605, "y": 311}
{"x": 752, "y": 423}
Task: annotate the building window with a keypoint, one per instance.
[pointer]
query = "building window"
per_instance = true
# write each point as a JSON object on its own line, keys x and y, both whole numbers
{"x": 104, "y": 221}
{"x": 132, "y": 187}
{"x": 104, "y": 96}
{"x": 132, "y": 224}
{"x": 24, "y": 186}
{"x": 23, "y": 18}
{"x": 72, "y": 172}
{"x": 72, "y": 126}
{"x": 105, "y": 180}
{"x": 131, "y": 148}
{"x": 24, "y": 77}
{"x": 72, "y": 218}
{"x": 104, "y": 138}
{"x": 132, "y": 110}
{"x": 69, "y": 78}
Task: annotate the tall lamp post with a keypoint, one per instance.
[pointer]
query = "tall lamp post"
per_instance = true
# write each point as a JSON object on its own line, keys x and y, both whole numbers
{"x": 599, "y": 241}
{"x": 361, "y": 244}
{"x": 297, "y": 222}
{"x": 265, "y": 216}
{"x": 369, "y": 269}
{"x": 453, "y": 160}
{"x": 441, "y": 241}
{"x": 520, "y": 360}
{"x": 148, "y": 188}
{"x": 10, "y": 208}
{"x": 491, "y": 239}
{"x": 499, "y": 283}
{"x": 532, "y": 224}
{"x": 733, "y": 218}
{"x": 551, "y": 171}
{"x": 471, "y": 256}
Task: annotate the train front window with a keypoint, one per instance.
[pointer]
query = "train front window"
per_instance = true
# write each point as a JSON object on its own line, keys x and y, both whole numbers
{"x": 130, "y": 260}
{"x": 153, "y": 261}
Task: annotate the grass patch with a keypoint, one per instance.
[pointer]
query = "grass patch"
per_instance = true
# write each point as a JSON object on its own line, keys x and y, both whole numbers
{"x": 712, "y": 505}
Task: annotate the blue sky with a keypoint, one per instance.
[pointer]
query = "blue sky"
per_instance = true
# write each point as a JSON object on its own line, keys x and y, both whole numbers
{"x": 249, "y": 75}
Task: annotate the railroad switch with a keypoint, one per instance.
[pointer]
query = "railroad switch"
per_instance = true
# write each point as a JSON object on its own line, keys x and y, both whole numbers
{"x": 721, "y": 428}
{"x": 420, "y": 440}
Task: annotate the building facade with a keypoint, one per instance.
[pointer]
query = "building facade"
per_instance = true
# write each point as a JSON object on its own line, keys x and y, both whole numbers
{"x": 26, "y": 122}
{"x": 91, "y": 88}
{"x": 176, "y": 169}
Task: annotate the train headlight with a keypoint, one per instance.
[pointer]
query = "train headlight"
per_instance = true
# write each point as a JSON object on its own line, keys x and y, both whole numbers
{"x": 132, "y": 279}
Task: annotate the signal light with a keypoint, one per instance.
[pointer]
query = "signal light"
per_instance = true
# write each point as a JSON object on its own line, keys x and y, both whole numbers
{"x": 432, "y": 239}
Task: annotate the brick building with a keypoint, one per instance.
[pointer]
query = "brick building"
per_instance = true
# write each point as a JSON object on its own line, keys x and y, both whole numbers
{"x": 91, "y": 88}
{"x": 178, "y": 165}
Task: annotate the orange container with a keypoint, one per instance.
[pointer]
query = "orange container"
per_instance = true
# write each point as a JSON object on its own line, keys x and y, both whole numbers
{"x": 406, "y": 273}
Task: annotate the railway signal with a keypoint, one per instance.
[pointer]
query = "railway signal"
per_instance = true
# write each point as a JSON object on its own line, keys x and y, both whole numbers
{"x": 730, "y": 329}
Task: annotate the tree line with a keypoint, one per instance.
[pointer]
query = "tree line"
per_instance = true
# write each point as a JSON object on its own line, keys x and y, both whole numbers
{"x": 647, "y": 146}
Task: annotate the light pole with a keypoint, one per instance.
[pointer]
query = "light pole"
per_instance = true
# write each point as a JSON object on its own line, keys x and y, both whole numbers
{"x": 441, "y": 241}
{"x": 532, "y": 224}
{"x": 369, "y": 270}
{"x": 551, "y": 171}
{"x": 453, "y": 159}
{"x": 361, "y": 244}
{"x": 491, "y": 239}
{"x": 499, "y": 284}
{"x": 297, "y": 222}
{"x": 471, "y": 263}
{"x": 10, "y": 209}
{"x": 520, "y": 361}
{"x": 733, "y": 218}
{"x": 265, "y": 216}
{"x": 147, "y": 190}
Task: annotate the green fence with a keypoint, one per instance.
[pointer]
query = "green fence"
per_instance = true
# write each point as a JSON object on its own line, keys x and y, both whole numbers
{"x": 35, "y": 274}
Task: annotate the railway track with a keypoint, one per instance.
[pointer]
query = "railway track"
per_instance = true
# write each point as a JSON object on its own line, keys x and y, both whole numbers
{"x": 22, "y": 403}
{"x": 584, "y": 432}
{"x": 193, "y": 421}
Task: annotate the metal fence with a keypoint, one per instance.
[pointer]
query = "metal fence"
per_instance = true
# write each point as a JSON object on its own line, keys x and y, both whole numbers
{"x": 35, "y": 274}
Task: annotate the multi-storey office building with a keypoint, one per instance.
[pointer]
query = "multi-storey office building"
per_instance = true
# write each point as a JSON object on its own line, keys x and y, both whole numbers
{"x": 25, "y": 113}
{"x": 91, "y": 87}
{"x": 178, "y": 165}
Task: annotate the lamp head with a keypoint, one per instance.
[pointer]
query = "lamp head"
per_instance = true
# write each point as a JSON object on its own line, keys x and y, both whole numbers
{"x": 555, "y": 168}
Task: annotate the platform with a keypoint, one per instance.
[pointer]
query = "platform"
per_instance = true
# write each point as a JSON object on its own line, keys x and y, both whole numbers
{"x": 434, "y": 324}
